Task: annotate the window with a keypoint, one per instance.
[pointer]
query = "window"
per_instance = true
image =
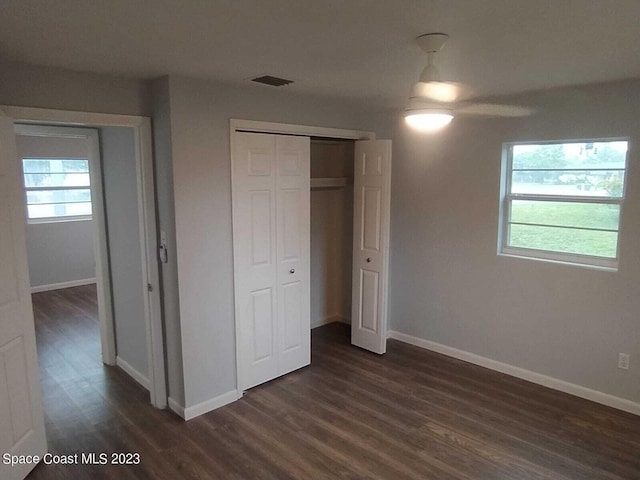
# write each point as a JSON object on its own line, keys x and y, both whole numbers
{"x": 57, "y": 188}
{"x": 563, "y": 201}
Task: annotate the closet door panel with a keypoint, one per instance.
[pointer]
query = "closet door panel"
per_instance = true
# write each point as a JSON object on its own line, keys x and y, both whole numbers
{"x": 255, "y": 257}
{"x": 371, "y": 218}
{"x": 372, "y": 193}
{"x": 262, "y": 325}
{"x": 369, "y": 292}
{"x": 292, "y": 313}
{"x": 293, "y": 239}
{"x": 291, "y": 202}
{"x": 260, "y": 222}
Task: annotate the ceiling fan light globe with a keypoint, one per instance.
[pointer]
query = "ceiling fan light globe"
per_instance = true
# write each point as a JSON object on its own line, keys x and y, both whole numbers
{"x": 428, "y": 120}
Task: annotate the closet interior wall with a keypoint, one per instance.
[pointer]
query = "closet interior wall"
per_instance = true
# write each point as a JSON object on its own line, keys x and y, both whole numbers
{"x": 331, "y": 230}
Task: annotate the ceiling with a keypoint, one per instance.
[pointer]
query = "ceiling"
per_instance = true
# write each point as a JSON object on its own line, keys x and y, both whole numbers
{"x": 360, "y": 49}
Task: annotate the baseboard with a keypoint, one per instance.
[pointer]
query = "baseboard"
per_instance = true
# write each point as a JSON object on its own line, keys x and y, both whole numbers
{"x": 176, "y": 407}
{"x": 133, "y": 373}
{"x": 328, "y": 320}
{"x": 203, "y": 407}
{"x": 58, "y": 286}
{"x": 538, "y": 378}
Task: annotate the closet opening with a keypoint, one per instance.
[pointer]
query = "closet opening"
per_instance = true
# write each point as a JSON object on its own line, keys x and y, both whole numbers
{"x": 311, "y": 210}
{"x": 331, "y": 230}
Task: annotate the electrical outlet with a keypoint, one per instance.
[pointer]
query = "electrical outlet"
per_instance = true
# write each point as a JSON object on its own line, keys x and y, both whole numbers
{"x": 623, "y": 361}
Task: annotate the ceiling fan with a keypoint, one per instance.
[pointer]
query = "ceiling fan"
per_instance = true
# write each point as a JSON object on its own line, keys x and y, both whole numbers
{"x": 433, "y": 103}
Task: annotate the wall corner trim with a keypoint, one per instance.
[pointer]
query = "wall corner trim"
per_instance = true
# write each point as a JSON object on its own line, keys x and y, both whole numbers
{"x": 534, "y": 377}
{"x": 176, "y": 407}
{"x": 135, "y": 374}
{"x": 58, "y": 286}
{"x": 201, "y": 408}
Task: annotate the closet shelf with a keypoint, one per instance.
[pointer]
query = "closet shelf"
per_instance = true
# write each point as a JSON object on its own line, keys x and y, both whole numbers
{"x": 332, "y": 182}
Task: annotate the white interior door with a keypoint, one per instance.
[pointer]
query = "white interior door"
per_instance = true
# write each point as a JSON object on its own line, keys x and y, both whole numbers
{"x": 271, "y": 235}
{"x": 371, "y": 217}
{"x": 21, "y": 418}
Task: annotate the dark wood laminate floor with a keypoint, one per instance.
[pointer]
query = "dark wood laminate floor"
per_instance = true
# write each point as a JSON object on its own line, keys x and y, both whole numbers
{"x": 410, "y": 414}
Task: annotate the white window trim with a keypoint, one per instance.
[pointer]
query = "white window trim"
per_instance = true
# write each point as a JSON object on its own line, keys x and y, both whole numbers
{"x": 588, "y": 261}
{"x": 59, "y": 219}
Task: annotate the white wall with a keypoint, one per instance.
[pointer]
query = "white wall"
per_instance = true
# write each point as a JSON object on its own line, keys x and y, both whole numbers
{"x": 125, "y": 257}
{"x": 199, "y": 129}
{"x": 449, "y": 286}
{"x": 58, "y": 252}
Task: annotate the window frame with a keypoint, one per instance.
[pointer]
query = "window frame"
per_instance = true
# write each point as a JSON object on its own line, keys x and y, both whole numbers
{"x": 506, "y": 199}
{"x": 61, "y": 218}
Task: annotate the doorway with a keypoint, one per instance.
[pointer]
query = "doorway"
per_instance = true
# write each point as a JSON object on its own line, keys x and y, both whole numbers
{"x": 122, "y": 221}
{"x": 65, "y": 228}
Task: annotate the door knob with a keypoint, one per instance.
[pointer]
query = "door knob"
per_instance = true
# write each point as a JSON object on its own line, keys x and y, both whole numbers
{"x": 368, "y": 259}
{"x": 293, "y": 270}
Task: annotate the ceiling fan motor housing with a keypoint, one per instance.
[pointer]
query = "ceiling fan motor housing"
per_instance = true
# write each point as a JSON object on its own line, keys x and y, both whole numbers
{"x": 432, "y": 42}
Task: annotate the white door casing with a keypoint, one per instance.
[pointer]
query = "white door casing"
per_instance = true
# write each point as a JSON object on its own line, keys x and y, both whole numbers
{"x": 148, "y": 233}
{"x": 371, "y": 218}
{"x": 21, "y": 419}
{"x": 271, "y": 231}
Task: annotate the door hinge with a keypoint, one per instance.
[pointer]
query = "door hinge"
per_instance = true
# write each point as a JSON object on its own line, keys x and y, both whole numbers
{"x": 149, "y": 287}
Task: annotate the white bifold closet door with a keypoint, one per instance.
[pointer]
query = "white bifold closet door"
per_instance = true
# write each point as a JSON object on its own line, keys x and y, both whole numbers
{"x": 371, "y": 219}
{"x": 271, "y": 228}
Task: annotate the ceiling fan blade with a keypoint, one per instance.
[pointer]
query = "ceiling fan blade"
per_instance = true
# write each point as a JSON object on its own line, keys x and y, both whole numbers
{"x": 493, "y": 110}
{"x": 445, "y": 92}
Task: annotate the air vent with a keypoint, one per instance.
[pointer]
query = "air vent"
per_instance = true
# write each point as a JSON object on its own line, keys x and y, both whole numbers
{"x": 272, "y": 81}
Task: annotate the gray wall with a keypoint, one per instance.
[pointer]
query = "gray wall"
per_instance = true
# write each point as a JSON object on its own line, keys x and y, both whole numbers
{"x": 191, "y": 142}
{"x": 449, "y": 286}
{"x": 46, "y": 87}
{"x": 163, "y": 153}
{"x": 447, "y": 283}
{"x": 199, "y": 126}
{"x": 59, "y": 251}
{"x": 125, "y": 258}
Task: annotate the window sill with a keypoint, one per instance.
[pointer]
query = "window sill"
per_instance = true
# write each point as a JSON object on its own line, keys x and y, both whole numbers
{"x": 561, "y": 259}
{"x": 39, "y": 221}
